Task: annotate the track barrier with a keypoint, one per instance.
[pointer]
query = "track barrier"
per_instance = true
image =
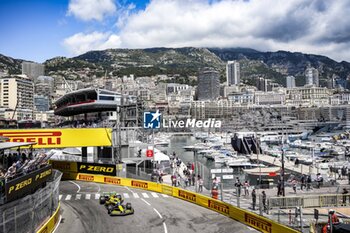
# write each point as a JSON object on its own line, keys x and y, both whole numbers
{"x": 251, "y": 219}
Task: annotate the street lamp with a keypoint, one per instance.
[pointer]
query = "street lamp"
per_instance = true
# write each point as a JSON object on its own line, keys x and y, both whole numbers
{"x": 282, "y": 172}
{"x": 195, "y": 169}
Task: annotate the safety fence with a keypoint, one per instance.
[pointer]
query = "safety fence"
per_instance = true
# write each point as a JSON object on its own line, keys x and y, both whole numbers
{"x": 28, "y": 214}
{"x": 309, "y": 201}
{"x": 251, "y": 219}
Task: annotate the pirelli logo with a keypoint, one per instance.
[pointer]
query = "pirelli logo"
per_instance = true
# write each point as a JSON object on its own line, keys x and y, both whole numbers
{"x": 62, "y": 166}
{"x": 258, "y": 223}
{"x": 222, "y": 208}
{"x": 167, "y": 190}
{"x": 139, "y": 184}
{"x": 41, "y": 138}
{"x": 112, "y": 180}
{"x": 86, "y": 177}
{"x": 188, "y": 196}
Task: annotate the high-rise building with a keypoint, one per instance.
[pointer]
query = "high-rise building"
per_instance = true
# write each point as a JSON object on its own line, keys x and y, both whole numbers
{"x": 16, "y": 92}
{"x": 233, "y": 75}
{"x": 312, "y": 76}
{"x": 290, "y": 81}
{"x": 33, "y": 70}
{"x": 208, "y": 84}
{"x": 42, "y": 103}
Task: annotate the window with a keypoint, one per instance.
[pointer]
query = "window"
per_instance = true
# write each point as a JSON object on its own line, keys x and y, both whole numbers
{"x": 106, "y": 97}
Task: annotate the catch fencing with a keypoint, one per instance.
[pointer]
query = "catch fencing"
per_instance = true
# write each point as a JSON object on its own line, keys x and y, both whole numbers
{"x": 309, "y": 201}
{"x": 29, "y": 213}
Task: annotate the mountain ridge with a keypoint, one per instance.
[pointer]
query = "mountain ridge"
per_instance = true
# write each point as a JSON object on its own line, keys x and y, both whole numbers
{"x": 187, "y": 61}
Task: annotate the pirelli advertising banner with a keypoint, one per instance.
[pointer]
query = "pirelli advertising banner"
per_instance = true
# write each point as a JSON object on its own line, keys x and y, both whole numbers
{"x": 59, "y": 138}
{"x": 97, "y": 168}
{"x": 26, "y": 184}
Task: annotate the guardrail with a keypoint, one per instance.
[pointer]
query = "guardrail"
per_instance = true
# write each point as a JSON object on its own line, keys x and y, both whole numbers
{"x": 309, "y": 201}
{"x": 251, "y": 219}
{"x": 28, "y": 213}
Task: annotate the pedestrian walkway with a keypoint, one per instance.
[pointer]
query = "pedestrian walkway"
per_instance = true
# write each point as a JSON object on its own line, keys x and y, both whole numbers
{"x": 289, "y": 165}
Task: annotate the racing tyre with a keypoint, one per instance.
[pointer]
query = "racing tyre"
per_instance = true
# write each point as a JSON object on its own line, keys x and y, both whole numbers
{"x": 102, "y": 200}
{"x": 128, "y": 206}
{"x": 110, "y": 209}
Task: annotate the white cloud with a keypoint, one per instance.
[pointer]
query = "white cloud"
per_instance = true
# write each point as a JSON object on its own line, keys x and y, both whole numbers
{"x": 91, "y": 9}
{"x": 81, "y": 43}
{"x": 311, "y": 26}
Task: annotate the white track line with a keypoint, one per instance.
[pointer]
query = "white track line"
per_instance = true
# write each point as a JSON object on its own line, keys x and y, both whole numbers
{"x": 68, "y": 197}
{"x": 164, "y": 195}
{"x": 157, "y": 212}
{"x": 76, "y": 185}
{"x": 126, "y": 195}
{"x": 99, "y": 188}
{"x": 145, "y": 201}
{"x": 154, "y": 195}
{"x": 88, "y": 196}
{"x": 78, "y": 197}
{"x": 165, "y": 229}
{"x": 129, "y": 189}
{"x": 136, "y": 195}
{"x": 97, "y": 196}
{"x": 145, "y": 195}
{"x": 60, "y": 197}
{"x": 58, "y": 223}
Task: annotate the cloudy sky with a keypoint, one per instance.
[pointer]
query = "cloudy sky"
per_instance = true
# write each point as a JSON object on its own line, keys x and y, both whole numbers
{"x": 41, "y": 29}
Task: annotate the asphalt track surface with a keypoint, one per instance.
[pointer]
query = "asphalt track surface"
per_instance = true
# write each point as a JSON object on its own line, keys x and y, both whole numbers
{"x": 154, "y": 212}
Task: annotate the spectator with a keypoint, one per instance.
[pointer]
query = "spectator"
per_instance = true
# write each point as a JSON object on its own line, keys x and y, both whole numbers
{"x": 308, "y": 183}
{"x": 279, "y": 187}
{"x": 200, "y": 184}
{"x": 173, "y": 180}
{"x": 303, "y": 180}
{"x": 11, "y": 172}
{"x": 345, "y": 194}
{"x": 186, "y": 180}
{"x": 294, "y": 184}
{"x": 246, "y": 188}
{"x": 296, "y": 162}
{"x": 264, "y": 201}
{"x": 254, "y": 198}
{"x": 319, "y": 180}
{"x": 238, "y": 186}
{"x": 194, "y": 179}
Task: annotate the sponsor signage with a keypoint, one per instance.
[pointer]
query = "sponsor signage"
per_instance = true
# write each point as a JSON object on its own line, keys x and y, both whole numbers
{"x": 220, "y": 207}
{"x": 139, "y": 184}
{"x": 215, "y": 170}
{"x": 149, "y": 153}
{"x": 86, "y": 177}
{"x": 167, "y": 190}
{"x": 257, "y": 222}
{"x": 153, "y": 120}
{"x": 97, "y": 168}
{"x": 64, "y": 166}
{"x": 227, "y": 177}
{"x": 111, "y": 180}
{"x": 58, "y": 138}
{"x": 24, "y": 185}
{"x": 187, "y": 196}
